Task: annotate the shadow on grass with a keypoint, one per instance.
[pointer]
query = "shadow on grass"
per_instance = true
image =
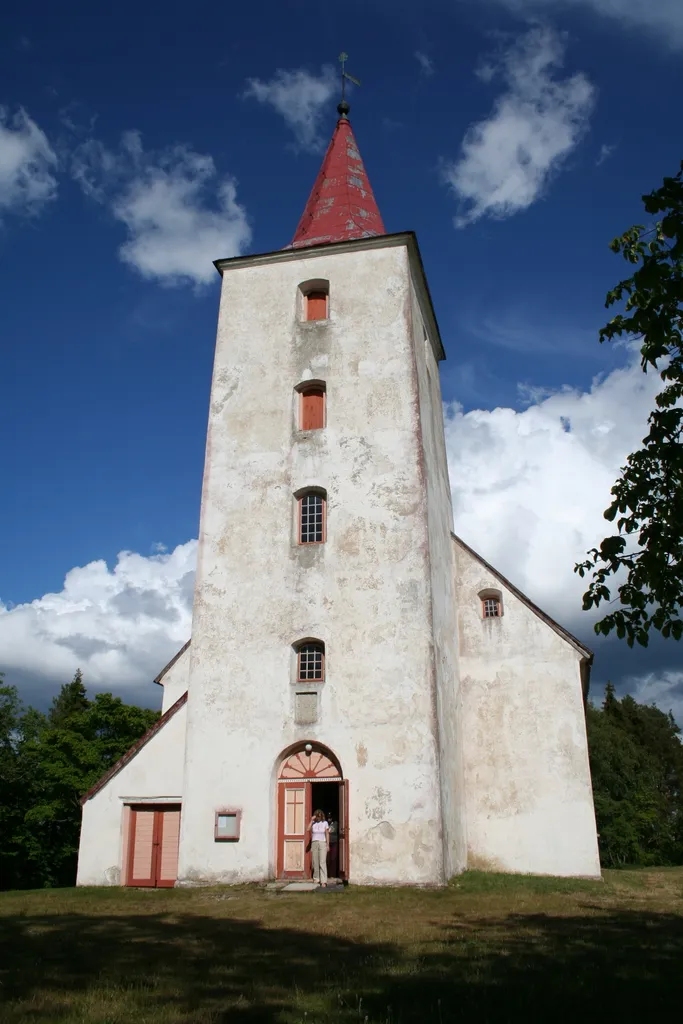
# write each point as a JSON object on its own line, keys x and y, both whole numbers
{"x": 186, "y": 967}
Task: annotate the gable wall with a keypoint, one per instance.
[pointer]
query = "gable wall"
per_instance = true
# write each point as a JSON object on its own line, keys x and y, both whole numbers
{"x": 175, "y": 681}
{"x": 528, "y": 790}
{"x": 156, "y": 772}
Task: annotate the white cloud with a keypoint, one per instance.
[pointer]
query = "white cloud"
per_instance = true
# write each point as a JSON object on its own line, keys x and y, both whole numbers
{"x": 119, "y": 625}
{"x": 26, "y": 164}
{"x": 180, "y": 215}
{"x": 425, "y": 62}
{"x": 300, "y": 98}
{"x": 530, "y": 487}
{"x": 507, "y": 159}
{"x": 662, "y": 17}
{"x": 604, "y": 154}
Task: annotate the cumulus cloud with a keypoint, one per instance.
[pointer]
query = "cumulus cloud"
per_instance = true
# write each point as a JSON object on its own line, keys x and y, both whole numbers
{"x": 119, "y": 625}
{"x": 662, "y": 17}
{"x": 27, "y": 162}
{"x": 507, "y": 159}
{"x": 530, "y": 487}
{"x": 179, "y": 214}
{"x": 300, "y": 98}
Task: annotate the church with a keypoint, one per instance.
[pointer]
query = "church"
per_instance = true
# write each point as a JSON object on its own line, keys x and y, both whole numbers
{"x": 348, "y": 651}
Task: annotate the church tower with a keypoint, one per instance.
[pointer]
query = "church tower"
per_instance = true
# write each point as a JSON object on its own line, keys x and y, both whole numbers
{"x": 323, "y": 663}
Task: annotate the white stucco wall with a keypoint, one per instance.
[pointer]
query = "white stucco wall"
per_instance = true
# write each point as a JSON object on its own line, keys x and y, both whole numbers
{"x": 444, "y": 599}
{"x": 529, "y": 800}
{"x": 366, "y": 592}
{"x": 154, "y": 774}
{"x": 176, "y": 680}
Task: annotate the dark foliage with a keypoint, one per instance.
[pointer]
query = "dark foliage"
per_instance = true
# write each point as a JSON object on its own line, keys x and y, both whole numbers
{"x": 637, "y": 767}
{"x": 644, "y": 559}
{"x": 46, "y": 763}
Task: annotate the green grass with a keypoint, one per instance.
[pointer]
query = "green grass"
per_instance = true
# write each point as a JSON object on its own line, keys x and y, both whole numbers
{"x": 488, "y": 948}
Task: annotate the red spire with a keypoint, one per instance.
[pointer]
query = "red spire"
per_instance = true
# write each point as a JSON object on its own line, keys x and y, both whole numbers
{"x": 341, "y": 205}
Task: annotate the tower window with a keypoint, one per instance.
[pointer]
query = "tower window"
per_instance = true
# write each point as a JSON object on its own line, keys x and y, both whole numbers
{"x": 314, "y": 299}
{"x": 312, "y": 518}
{"x": 316, "y": 306}
{"x": 311, "y": 663}
{"x": 312, "y": 408}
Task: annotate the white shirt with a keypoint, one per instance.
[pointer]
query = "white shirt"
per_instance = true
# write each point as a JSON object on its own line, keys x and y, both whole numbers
{"x": 319, "y": 828}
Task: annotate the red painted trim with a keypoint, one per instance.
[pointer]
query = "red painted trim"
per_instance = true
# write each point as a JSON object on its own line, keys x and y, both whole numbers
{"x": 130, "y": 754}
{"x": 343, "y": 838}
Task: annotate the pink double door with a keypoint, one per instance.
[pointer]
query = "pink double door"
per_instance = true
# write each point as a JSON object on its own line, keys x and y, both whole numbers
{"x": 153, "y": 845}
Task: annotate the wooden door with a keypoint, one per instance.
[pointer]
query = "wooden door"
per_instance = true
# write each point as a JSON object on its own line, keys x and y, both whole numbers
{"x": 294, "y": 813}
{"x": 153, "y": 846}
{"x": 344, "y": 830}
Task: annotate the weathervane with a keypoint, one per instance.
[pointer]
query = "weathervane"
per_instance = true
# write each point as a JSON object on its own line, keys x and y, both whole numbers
{"x": 343, "y": 107}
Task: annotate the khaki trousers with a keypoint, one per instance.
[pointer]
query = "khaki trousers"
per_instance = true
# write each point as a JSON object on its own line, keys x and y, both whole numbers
{"x": 319, "y": 858}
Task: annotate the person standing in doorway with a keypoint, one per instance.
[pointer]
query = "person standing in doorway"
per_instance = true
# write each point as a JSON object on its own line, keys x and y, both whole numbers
{"x": 320, "y": 845}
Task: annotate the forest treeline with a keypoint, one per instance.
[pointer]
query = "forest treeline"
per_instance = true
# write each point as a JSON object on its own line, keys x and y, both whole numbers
{"x": 47, "y": 761}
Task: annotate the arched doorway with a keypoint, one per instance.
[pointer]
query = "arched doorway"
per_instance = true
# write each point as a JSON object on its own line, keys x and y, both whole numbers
{"x": 309, "y": 777}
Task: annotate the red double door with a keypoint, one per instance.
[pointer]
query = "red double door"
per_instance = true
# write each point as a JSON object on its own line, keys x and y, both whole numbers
{"x": 295, "y": 807}
{"x": 153, "y": 845}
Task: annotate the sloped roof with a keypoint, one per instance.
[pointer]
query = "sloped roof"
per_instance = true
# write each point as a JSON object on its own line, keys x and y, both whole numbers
{"x": 137, "y": 746}
{"x": 584, "y": 651}
{"x": 341, "y": 205}
{"x": 165, "y": 669}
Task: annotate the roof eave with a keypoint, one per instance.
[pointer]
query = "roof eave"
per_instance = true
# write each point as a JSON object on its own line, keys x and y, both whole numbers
{"x": 406, "y": 238}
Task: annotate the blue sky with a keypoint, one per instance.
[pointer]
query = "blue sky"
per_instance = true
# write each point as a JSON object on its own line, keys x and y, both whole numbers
{"x": 142, "y": 141}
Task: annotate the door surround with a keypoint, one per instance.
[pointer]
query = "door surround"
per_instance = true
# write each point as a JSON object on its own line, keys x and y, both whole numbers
{"x": 300, "y": 768}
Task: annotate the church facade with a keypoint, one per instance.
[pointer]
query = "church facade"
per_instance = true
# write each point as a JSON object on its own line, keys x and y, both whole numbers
{"x": 348, "y": 651}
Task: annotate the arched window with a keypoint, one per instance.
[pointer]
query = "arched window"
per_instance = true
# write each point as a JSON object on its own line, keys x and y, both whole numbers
{"x": 312, "y": 517}
{"x": 310, "y": 662}
{"x": 312, "y": 396}
{"x": 491, "y": 604}
{"x": 315, "y": 299}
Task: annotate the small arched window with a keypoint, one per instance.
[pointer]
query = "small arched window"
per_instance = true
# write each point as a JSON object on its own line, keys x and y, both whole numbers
{"x": 491, "y": 604}
{"x": 310, "y": 662}
{"x": 312, "y": 517}
{"x": 315, "y": 299}
{"x": 312, "y": 397}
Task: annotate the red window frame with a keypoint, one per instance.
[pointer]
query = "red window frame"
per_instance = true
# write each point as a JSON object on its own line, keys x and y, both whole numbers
{"x": 312, "y": 647}
{"x": 300, "y": 528}
{"x": 492, "y": 600}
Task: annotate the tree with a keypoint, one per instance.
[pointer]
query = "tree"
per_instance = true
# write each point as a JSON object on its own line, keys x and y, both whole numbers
{"x": 47, "y": 762}
{"x": 644, "y": 560}
{"x": 636, "y": 759}
{"x": 71, "y": 700}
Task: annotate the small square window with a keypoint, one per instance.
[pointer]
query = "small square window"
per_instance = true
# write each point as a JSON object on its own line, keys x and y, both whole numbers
{"x": 491, "y": 608}
{"x": 228, "y": 825}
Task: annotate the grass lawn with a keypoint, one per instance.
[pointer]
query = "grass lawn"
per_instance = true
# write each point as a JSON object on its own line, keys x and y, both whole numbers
{"x": 488, "y": 948}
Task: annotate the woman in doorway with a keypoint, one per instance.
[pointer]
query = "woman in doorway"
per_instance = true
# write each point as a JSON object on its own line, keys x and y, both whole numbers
{"x": 320, "y": 845}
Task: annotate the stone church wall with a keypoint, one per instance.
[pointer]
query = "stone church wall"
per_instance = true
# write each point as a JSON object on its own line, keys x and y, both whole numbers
{"x": 527, "y": 776}
{"x": 154, "y": 773}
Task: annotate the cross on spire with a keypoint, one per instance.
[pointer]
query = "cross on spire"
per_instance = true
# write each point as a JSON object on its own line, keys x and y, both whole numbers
{"x": 344, "y": 107}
